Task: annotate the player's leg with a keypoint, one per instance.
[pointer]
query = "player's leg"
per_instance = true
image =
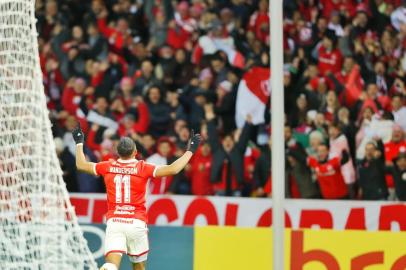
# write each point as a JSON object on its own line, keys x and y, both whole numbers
{"x": 113, "y": 261}
{"x": 138, "y": 245}
{"x": 115, "y": 245}
{"x": 139, "y": 266}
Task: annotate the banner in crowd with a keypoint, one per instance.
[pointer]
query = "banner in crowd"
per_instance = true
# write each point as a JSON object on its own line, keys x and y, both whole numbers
{"x": 176, "y": 210}
{"x": 252, "y": 96}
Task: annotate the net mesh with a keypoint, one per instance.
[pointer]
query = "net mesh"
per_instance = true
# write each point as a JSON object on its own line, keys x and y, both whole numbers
{"x": 38, "y": 227}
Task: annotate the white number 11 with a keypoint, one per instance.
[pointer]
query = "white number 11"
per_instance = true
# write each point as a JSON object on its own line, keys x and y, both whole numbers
{"x": 120, "y": 179}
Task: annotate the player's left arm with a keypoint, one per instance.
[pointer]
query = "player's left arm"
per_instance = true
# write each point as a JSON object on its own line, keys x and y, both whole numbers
{"x": 180, "y": 163}
{"x": 81, "y": 163}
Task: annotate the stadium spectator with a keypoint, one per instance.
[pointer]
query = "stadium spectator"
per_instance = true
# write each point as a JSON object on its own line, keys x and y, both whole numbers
{"x": 316, "y": 138}
{"x": 396, "y": 145}
{"x": 292, "y": 144}
{"x": 193, "y": 100}
{"x": 72, "y": 95}
{"x": 200, "y": 170}
{"x": 67, "y": 162}
{"x": 328, "y": 55}
{"x": 371, "y": 171}
{"x": 224, "y": 107}
{"x": 136, "y": 120}
{"x": 251, "y": 156}
{"x": 48, "y": 17}
{"x": 262, "y": 172}
{"x": 297, "y": 169}
{"x": 159, "y": 112}
{"x": 328, "y": 173}
{"x": 339, "y": 143}
{"x": 398, "y": 171}
{"x": 348, "y": 128}
{"x": 163, "y": 156}
{"x": 145, "y": 78}
{"x": 379, "y": 126}
{"x": 104, "y": 150}
{"x": 398, "y": 17}
{"x": 399, "y": 111}
{"x": 227, "y": 170}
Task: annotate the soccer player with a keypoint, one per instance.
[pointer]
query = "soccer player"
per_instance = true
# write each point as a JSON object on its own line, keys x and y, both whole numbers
{"x": 126, "y": 182}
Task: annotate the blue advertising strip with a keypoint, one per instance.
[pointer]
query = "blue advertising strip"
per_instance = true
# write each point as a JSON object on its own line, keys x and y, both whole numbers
{"x": 170, "y": 247}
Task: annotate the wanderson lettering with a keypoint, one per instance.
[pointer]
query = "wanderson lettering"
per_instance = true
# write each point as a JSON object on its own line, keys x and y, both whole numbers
{"x": 123, "y": 170}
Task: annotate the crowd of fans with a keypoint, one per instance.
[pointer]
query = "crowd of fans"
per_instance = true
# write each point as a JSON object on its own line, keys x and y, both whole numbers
{"x": 155, "y": 70}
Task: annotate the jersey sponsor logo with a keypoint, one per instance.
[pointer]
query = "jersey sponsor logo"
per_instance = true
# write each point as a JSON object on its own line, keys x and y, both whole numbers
{"x": 124, "y": 210}
{"x": 123, "y": 220}
{"x": 125, "y": 207}
{"x": 120, "y": 212}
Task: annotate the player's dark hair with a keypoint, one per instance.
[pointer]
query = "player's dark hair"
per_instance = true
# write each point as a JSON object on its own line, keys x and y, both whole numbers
{"x": 126, "y": 147}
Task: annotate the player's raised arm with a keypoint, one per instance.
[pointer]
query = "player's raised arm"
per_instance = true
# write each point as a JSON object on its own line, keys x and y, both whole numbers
{"x": 81, "y": 163}
{"x": 181, "y": 162}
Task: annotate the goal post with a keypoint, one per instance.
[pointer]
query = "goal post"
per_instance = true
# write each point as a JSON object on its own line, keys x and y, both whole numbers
{"x": 278, "y": 142}
{"x": 38, "y": 226}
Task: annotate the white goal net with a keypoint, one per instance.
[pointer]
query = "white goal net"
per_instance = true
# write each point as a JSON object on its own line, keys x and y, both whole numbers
{"x": 38, "y": 226}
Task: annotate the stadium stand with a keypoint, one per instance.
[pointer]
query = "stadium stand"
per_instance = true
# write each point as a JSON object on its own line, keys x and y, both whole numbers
{"x": 153, "y": 70}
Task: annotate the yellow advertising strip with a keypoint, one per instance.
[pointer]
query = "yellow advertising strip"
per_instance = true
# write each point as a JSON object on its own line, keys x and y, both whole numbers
{"x": 350, "y": 250}
{"x": 230, "y": 248}
{"x": 223, "y": 248}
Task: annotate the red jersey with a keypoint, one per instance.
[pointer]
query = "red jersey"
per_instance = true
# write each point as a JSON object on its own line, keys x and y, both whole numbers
{"x": 200, "y": 174}
{"x": 259, "y": 24}
{"x": 250, "y": 157}
{"x": 126, "y": 184}
{"x": 353, "y": 83}
{"x": 329, "y": 176}
{"x": 341, "y": 5}
{"x": 160, "y": 185}
{"x": 392, "y": 150}
{"x": 222, "y": 185}
{"x": 70, "y": 100}
{"x": 329, "y": 60}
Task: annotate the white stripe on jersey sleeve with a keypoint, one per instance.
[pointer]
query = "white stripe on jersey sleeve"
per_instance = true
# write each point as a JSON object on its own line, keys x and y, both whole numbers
{"x": 156, "y": 168}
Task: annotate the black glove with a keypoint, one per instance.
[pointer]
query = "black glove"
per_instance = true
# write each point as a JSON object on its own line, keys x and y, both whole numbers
{"x": 78, "y": 135}
{"x": 194, "y": 142}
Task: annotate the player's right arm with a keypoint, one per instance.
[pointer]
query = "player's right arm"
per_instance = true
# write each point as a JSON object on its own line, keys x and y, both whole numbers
{"x": 81, "y": 163}
{"x": 180, "y": 163}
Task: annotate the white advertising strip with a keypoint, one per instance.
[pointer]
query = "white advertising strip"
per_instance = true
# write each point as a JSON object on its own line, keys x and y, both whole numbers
{"x": 253, "y": 212}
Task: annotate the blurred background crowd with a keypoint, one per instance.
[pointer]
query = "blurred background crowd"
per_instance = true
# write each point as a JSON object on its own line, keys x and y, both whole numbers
{"x": 154, "y": 70}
